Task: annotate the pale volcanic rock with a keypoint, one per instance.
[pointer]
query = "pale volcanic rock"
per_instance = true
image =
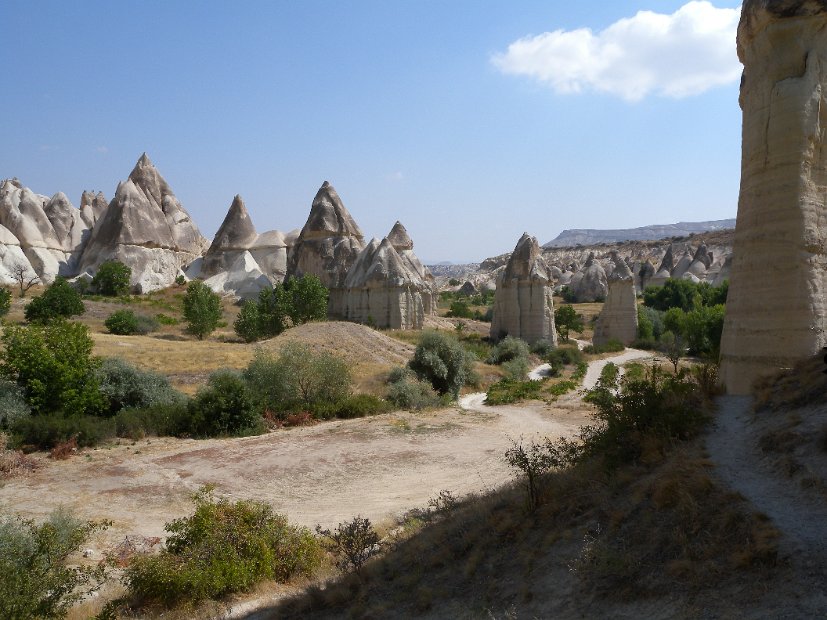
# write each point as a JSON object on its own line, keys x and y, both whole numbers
{"x": 243, "y": 279}
{"x": 468, "y": 289}
{"x": 523, "y": 305}
{"x": 683, "y": 264}
{"x": 592, "y": 284}
{"x": 724, "y": 272}
{"x": 327, "y": 246}
{"x": 668, "y": 262}
{"x": 776, "y": 308}
{"x": 11, "y": 255}
{"x": 92, "y": 206}
{"x": 146, "y": 228}
{"x": 618, "y": 318}
{"x": 270, "y": 252}
{"x": 235, "y": 236}
{"x": 701, "y": 262}
{"x": 382, "y": 289}
{"x": 644, "y": 275}
{"x": 403, "y": 244}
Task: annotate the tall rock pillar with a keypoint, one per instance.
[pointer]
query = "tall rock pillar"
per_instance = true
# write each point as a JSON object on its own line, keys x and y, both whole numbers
{"x": 618, "y": 319}
{"x": 778, "y": 284}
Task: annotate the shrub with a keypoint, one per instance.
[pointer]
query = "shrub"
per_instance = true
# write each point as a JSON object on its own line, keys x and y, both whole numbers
{"x": 122, "y": 323}
{"x": 35, "y": 581}
{"x": 224, "y": 407}
{"x": 125, "y": 386}
{"x": 59, "y": 300}
{"x": 542, "y": 347}
{"x": 53, "y": 364}
{"x": 163, "y": 319}
{"x": 535, "y": 460}
{"x": 163, "y": 419}
{"x": 112, "y": 278}
{"x": 296, "y": 301}
{"x": 568, "y": 295}
{"x": 567, "y": 320}
{"x": 516, "y": 369}
{"x": 611, "y": 346}
{"x": 180, "y": 279}
{"x": 222, "y": 548}
{"x": 353, "y": 542}
{"x": 507, "y": 391}
{"x": 441, "y": 360}
{"x": 509, "y": 348}
{"x": 308, "y": 299}
{"x": 202, "y": 310}
{"x": 409, "y": 392}
{"x": 248, "y": 322}
{"x": 561, "y": 357}
{"x": 44, "y": 432}
{"x": 12, "y": 404}
{"x": 355, "y": 406}
{"x": 460, "y": 310}
{"x": 5, "y": 301}
{"x": 649, "y": 323}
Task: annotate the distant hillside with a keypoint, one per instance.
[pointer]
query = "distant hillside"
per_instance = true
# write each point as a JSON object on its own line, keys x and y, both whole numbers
{"x": 587, "y": 236}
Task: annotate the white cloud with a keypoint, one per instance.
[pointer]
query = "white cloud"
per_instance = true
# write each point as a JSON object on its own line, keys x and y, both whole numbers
{"x": 676, "y": 55}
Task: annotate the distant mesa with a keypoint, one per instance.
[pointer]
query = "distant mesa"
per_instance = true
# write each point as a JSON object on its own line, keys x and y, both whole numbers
{"x": 588, "y": 236}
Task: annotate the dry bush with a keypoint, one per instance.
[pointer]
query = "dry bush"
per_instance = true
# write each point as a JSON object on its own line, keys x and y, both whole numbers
{"x": 14, "y": 462}
{"x": 804, "y": 384}
{"x": 64, "y": 449}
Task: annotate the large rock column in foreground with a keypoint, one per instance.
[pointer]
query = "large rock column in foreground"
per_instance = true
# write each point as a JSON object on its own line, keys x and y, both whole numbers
{"x": 523, "y": 305}
{"x": 776, "y": 305}
{"x": 618, "y": 319}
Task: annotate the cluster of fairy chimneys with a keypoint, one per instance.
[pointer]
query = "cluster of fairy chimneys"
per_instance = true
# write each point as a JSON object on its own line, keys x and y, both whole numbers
{"x": 147, "y": 228}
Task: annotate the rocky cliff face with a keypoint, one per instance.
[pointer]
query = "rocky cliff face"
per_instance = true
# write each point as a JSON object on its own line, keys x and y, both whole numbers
{"x": 523, "y": 305}
{"x": 328, "y": 245}
{"x": 145, "y": 227}
{"x": 777, "y": 304}
{"x": 618, "y": 318}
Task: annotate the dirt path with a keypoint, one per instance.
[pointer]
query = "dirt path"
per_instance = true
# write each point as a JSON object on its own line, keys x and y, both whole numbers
{"x": 733, "y": 446}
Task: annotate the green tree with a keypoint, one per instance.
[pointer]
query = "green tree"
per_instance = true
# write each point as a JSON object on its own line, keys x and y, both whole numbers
{"x": 5, "y": 301}
{"x": 112, "y": 278}
{"x": 566, "y": 320}
{"x": 248, "y": 322}
{"x": 673, "y": 347}
{"x": 308, "y": 298}
{"x": 54, "y": 366}
{"x": 224, "y": 407}
{"x": 443, "y": 361}
{"x": 35, "y": 581}
{"x": 59, "y": 300}
{"x": 202, "y": 309}
{"x": 273, "y": 310}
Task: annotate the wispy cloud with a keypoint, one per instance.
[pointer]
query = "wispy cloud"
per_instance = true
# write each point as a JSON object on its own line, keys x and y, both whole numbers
{"x": 102, "y": 149}
{"x": 677, "y": 55}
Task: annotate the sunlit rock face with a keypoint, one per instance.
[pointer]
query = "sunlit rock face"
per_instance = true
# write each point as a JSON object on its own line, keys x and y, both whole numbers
{"x": 618, "y": 318}
{"x": 145, "y": 227}
{"x": 403, "y": 244}
{"x": 778, "y": 283}
{"x": 235, "y": 237}
{"x": 327, "y": 246}
{"x": 523, "y": 305}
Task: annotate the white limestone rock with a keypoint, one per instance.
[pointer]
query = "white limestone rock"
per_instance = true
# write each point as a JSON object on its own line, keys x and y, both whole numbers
{"x": 523, "y": 304}
{"x": 244, "y": 279}
{"x": 618, "y": 318}
{"x": 777, "y": 304}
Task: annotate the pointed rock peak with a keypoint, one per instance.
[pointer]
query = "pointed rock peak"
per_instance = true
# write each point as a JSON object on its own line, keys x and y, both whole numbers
{"x": 524, "y": 257}
{"x": 589, "y": 261}
{"x": 144, "y": 160}
{"x": 399, "y": 238}
{"x": 621, "y": 270}
{"x": 236, "y": 231}
{"x": 329, "y": 217}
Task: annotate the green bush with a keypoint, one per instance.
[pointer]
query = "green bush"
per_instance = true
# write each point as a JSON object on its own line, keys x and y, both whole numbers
{"x": 163, "y": 319}
{"x": 60, "y": 299}
{"x": 649, "y": 323}
{"x": 507, "y": 391}
{"x": 222, "y": 548}
{"x": 294, "y": 302}
{"x": 406, "y": 391}
{"x": 563, "y": 356}
{"x": 125, "y": 386}
{"x": 224, "y": 407}
{"x": 5, "y": 301}
{"x": 353, "y": 543}
{"x": 355, "y": 406}
{"x": 164, "y": 419}
{"x": 122, "y": 323}
{"x": 460, "y": 310}
{"x": 567, "y": 320}
{"x": 13, "y": 405}
{"x": 685, "y": 295}
{"x": 44, "y": 432}
{"x": 248, "y": 322}
{"x": 516, "y": 368}
{"x": 53, "y": 364}
{"x": 442, "y": 360}
{"x": 611, "y": 346}
{"x": 202, "y": 310}
{"x": 112, "y": 278}
{"x": 35, "y": 581}
{"x": 542, "y": 347}
{"x": 568, "y": 295}
{"x": 509, "y": 348}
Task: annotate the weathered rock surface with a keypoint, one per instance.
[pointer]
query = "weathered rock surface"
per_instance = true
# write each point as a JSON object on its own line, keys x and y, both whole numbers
{"x": 235, "y": 236}
{"x": 382, "y": 289}
{"x": 92, "y": 206}
{"x": 618, "y": 318}
{"x": 591, "y": 285}
{"x": 777, "y": 304}
{"x": 587, "y": 236}
{"x": 145, "y": 227}
{"x": 403, "y": 244}
{"x": 523, "y": 305}
{"x": 243, "y": 279}
{"x": 327, "y": 246}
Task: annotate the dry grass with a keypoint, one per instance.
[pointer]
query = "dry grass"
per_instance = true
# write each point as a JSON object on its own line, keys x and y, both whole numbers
{"x": 14, "y": 462}
{"x": 804, "y": 384}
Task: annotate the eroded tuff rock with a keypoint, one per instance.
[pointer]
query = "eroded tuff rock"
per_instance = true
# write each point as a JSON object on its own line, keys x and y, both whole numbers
{"x": 589, "y": 284}
{"x": 381, "y": 288}
{"x": 92, "y": 206}
{"x": 403, "y": 244}
{"x": 776, "y": 310}
{"x": 327, "y": 246}
{"x": 618, "y": 318}
{"x": 145, "y": 227}
{"x": 235, "y": 236}
{"x": 49, "y": 231}
{"x": 523, "y": 305}
{"x": 242, "y": 279}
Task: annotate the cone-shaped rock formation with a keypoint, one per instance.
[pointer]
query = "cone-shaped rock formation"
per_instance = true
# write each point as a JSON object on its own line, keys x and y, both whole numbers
{"x": 235, "y": 237}
{"x": 618, "y": 318}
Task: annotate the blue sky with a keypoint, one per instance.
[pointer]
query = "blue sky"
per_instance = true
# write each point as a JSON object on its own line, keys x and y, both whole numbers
{"x": 471, "y": 121}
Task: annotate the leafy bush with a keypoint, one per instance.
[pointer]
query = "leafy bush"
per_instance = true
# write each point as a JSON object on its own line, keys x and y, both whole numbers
{"x": 355, "y": 406}
{"x": 542, "y": 347}
{"x": 353, "y": 542}
{"x": 60, "y": 299}
{"x": 112, "y": 278}
{"x": 685, "y": 295}
{"x": 163, "y": 419}
{"x": 222, "y": 548}
{"x": 53, "y": 364}
{"x": 509, "y": 348}
{"x": 568, "y": 295}
{"x": 567, "y": 320}
{"x": 611, "y": 346}
{"x": 441, "y": 360}
{"x": 146, "y": 324}
{"x": 125, "y": 386}
{"x": 122, "y": 323}
{"x": 202, "y": 310}
{"x": 507, "y": 391}
{"x": 516, "y": 369}
{"x": 5, "y": 301}
{"x": 460, "y": 310}
{"x": 13, "y": 405}
{"x": 163, "y": 319}
{"x": 296, "y": 301}
{"x": 649, "y": 323}
{"x": 44, "y": 432}
{"x": 224, "y": 407}
{"x": 563, "y": 356}
{"x": 35, "y": 581}
{"x": 406, "y": 391}
{"x": 180, "y": 279}
{"x": 534, "y": 461}
{"x": 248, "y": 322}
